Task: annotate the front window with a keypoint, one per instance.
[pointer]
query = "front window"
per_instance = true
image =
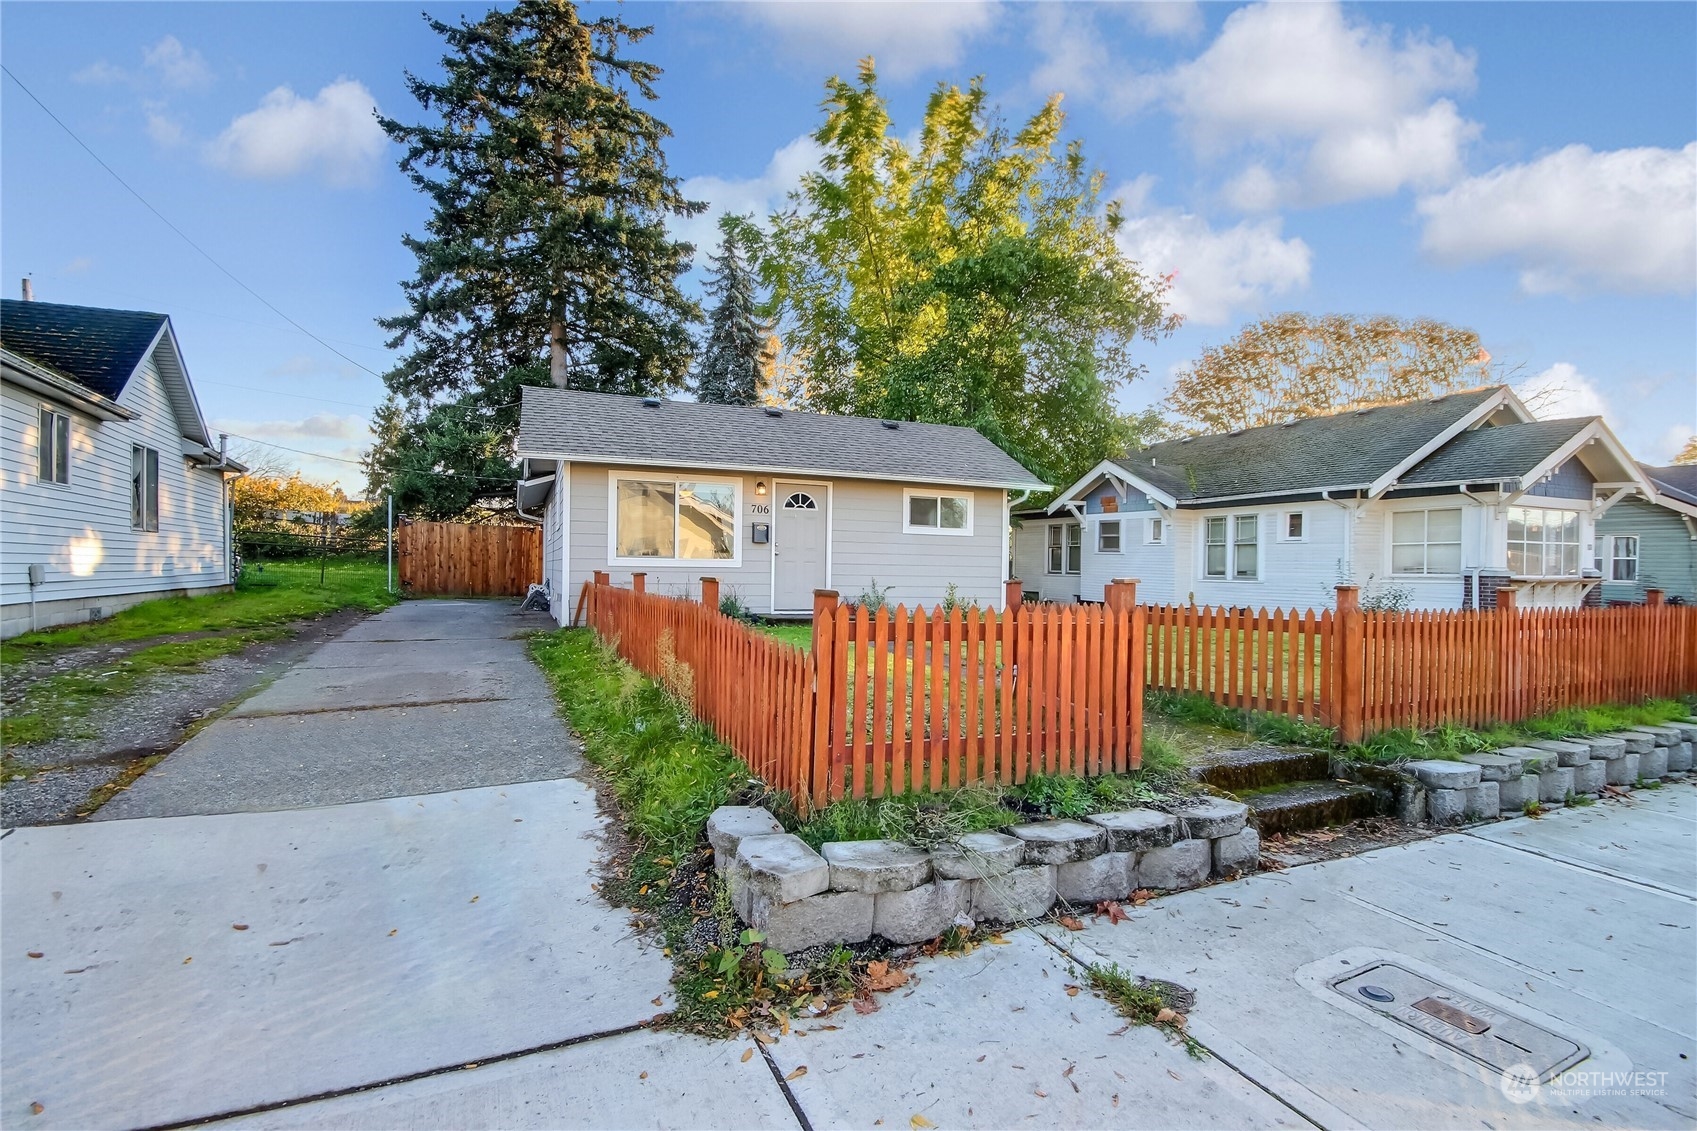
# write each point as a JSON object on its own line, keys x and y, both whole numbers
{"x": 1543, "y": 543}
{"x": 1108, "y": 537}
{"x": 1424, "y": 542}
{"x": 1231, "y": 547}
{"x": 939, "y": 514}
{"x": 672, "y": 519}
{"x": 144, "y": 488}
{"x": 53, "y": 447}
{"x": 1623, "y": 558}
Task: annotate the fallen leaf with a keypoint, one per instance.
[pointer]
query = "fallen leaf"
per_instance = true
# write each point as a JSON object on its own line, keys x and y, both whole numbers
{"x": 36, "y": 954}
{"x": 798, "y": 1073}
{"x": 1114, "y": 912}
{"x": 642, "y": 1076}
{"x": 1120, "y": 1032}
{"x": 1116, "y": 1099}
{"x": 1071, "y": 923}
{"x": 879, "y": 977}
{"x": 1040, "y": 1093}
{"x": 763, "y": 1038}
{"x": 709, "y": 995}
{"x": 998, "y": 940}
{"x": 188, "y": 960}
{"x": 863, "y": 1006}
{"x": 981, "y": 1059}
{"x": 783, "y": 1025}
{"x": 1068, "y": 1072}
{"x": 919, "y": 1121}
{"x": 746, "y": 1053}
{"x": 1174, "y": 1075}
{"x": 1165, "y": 1016}
{"x": 392, "y": 933}
{"x": 37, "y": 1109}
{"x": 474, "y": 899}
{"x": 238, "y": 926}
{"x": 1072, "y": 990}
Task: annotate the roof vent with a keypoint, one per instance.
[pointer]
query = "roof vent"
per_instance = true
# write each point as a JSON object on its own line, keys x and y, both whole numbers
{"x": 1290, "y": 424}
{"x": 650, "y": 402}
{"x": 890, "y": 424}
{"x": 1362, "y": 411}
{"x": 1187, "y": 439}
{"x": 770, "y": 411}
{"x": 1235, "y": 432}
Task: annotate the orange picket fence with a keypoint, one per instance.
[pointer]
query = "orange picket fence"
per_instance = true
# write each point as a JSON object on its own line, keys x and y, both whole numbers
{"x": 896, "y": 701}
{"x": 1367, "y": 671}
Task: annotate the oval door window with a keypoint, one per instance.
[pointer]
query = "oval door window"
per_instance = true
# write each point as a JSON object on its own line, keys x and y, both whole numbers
{"x": 800, "y": 501}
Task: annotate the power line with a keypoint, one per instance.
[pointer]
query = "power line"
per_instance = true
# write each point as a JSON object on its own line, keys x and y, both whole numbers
{"x": 359, "y": 463}
{"x": 184, "y": 235}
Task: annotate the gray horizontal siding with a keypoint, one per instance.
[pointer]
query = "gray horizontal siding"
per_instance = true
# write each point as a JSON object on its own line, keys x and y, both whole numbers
{"x": 1667, "y": 557}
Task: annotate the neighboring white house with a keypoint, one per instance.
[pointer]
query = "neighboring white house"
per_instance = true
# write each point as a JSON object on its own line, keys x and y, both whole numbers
{"x": 113, "y": 492}
{"x": 773, "y": 503}
{"x": 1438, "y": 503}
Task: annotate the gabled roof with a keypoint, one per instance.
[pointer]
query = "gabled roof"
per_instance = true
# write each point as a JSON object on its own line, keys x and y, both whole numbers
{"x": 1678, "y": 482}
{"x": 99, "y": 349}
{"x": 1507, "y": 451}
{"x": 606, "y": 428}
{"x": 1348, "y": 451}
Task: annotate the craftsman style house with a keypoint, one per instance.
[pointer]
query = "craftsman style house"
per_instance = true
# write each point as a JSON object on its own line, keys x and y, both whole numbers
{"x": 1431, "y": 504}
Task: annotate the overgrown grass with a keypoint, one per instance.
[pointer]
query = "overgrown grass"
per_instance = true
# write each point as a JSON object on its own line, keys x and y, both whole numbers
{"x": 798, "y": 633}
{"x": 1449, "y": 742}
{"x": 285, "y": 591}
{"x": 53, "y": 706}
{"x": 668, "y": 771}
{"x": 1144, "y": 1003}
{"x": 1195, "y": 709}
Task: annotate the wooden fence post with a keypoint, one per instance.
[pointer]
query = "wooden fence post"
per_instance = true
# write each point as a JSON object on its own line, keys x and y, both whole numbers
{"x": 602, "y": 577}
{"x": 639, "y": 583}
{"x": 1350, "y": 657}
{"x": 825, "y": 682}
{"x": 710, "y": 593}
{"x": 1120, "y": 595}
{"x": 1013, "y": 594}
{"x": 1654, "y": 597}
{"x": 1508, "y": 657}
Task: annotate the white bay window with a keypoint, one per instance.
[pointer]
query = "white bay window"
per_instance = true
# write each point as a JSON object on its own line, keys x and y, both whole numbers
{"x": 1543, "y": 542}
{"x": 681, "y": 520}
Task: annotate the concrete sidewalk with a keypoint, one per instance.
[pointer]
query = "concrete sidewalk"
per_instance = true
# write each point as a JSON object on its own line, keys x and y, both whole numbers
{"x": 424, "y": 697}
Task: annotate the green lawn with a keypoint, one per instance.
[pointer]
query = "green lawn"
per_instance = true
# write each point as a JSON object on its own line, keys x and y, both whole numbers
{"x": 799, "y": 633}
{"x": 285, "y": 591}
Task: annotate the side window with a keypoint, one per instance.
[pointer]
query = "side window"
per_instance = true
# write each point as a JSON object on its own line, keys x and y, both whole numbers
{"x": 144, "y": 488}
{"x": 53, "y": 447}
{"x": 1108, "y": 537}
{"x": 1214, "y": 548}
{"x": 1623, "y": 558}
{"x": 1294, "y": 528}
{"x": 1075, "y": 547}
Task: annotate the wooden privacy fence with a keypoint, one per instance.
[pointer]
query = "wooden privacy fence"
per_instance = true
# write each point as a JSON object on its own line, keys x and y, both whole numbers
{"x": 456, "y": 559}
{"x": 1367, "y": 671}
{"x": 896, "y": 701}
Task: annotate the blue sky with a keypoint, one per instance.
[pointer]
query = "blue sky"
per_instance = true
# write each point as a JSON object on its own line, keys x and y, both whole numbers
{"x": 1529, "y": 170}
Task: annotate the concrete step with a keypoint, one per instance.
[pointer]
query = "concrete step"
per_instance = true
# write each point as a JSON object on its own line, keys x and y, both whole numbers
{"x": 1259, "y": 767}
{"x": 1297, "y": 806}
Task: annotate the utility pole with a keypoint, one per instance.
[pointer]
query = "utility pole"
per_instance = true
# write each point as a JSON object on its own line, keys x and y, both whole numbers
{"x": 389, "y": 529}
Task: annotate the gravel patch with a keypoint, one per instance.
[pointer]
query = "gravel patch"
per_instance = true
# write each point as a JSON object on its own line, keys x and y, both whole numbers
{"x": 52, "y": 795}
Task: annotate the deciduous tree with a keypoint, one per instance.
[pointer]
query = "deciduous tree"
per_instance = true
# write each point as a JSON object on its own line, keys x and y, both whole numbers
{"x": 972, "y": 278}
{"x": 1295, "y": 365}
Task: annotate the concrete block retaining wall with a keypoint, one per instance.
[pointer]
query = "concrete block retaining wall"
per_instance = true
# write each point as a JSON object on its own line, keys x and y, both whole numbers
{"x": 851, "y": 890}
{"x": 1549, "y": 772}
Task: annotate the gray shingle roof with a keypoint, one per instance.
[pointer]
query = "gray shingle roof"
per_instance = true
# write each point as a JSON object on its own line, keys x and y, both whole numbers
{"x": 1348, "y": 450}
{"x": 1678, "y": 481}
{"x": 97, "y": 348}
{"x": 606, "y": 428}
{"x": 1508, "y": 451}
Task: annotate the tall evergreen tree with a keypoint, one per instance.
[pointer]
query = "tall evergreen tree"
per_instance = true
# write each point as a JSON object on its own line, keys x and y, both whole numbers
{"x": 734, "y": 359}
{"x": 547, "y": 251}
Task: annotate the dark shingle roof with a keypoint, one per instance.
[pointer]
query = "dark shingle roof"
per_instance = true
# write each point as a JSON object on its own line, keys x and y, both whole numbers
{"x": 97, "y": 348}
{"x": 1508, "y": 451}
{"x": 1678, "y": 482}
{"x": 602, "y": 427}
{"x": 1350, "y": 449}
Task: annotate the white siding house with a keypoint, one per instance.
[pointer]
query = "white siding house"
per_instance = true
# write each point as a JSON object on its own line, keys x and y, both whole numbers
{"x": 774, "y": 504}
{"x": 1434, "y": 504}
{"x": 112, "y": 492}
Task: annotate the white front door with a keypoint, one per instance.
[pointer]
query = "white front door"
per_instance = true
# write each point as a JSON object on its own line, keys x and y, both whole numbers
{"x": 800, "y": 530}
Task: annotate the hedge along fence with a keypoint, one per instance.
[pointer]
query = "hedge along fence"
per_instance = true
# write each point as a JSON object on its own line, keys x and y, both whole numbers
{"x": 1366, "y": 671}
{"x": 896, "y": 701}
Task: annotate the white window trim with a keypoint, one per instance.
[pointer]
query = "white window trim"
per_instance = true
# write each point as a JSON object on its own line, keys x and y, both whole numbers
{"x": 1230, "y": 575}
{"x": 1389, "y": 538}
{"x": 157, "y": 494}
{"x": 1066, "y": 544}
{"x": 1284, "y": 526}
{"x": 1050, "y": 530}
{"x": 651, "y": 476}
{"x": 1117, "y": 521}
{"x": 1150, "y": 538}
{"x": 1611, "y": 542}
{"x": 1553, "y": 503}
{"x": 70, "y": 443}
{"x": 909, "y": 493}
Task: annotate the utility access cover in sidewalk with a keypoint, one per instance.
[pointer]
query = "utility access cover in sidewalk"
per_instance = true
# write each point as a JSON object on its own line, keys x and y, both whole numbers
{"x": 1491, "y": 1037}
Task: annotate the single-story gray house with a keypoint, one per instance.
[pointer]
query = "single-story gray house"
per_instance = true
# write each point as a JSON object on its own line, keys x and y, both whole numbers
{"x": 115, "y": 492}
{"x": 1647, "y": 541}
{"x": 774, "y": 503}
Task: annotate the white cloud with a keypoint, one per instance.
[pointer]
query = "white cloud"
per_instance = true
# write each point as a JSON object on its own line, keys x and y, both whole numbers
{"x": 904, "y": 38}
{"x": 77, "y": 266}
{"x": 760, "y": 194}
{"x": 1176, "y": 18}
{"x": 1575, "y": 219}
{"x": 1561, "y": 392}
{"x": 161, "y": 127}
{"x": 178, "y": 67}
{"x": 1076, "y": 60}
{"x": 1669, "y": 444}
{"x": 1215, "y": 272}
{"x": 333, "y": 134}
{"x": 318, "y": 426}
{"x": 101, "y": 73}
